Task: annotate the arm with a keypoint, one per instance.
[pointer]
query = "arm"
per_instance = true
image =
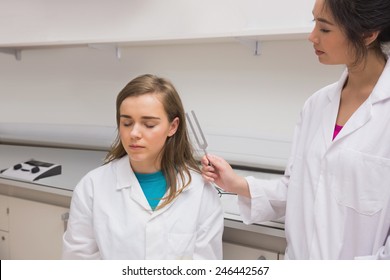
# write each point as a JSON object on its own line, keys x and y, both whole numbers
{"x": 78, "y": 240}
{"x": 259, "y": 200}
{"x": 268, "y": 198}
{"x": 208, "y": 243}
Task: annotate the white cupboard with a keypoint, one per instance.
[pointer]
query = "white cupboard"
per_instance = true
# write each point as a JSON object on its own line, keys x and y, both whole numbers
{"x": 35, "y": 229}
{"x": 4, "y": 210}
{"x": 4, "y": 245}
{"x": 4, "y": 226}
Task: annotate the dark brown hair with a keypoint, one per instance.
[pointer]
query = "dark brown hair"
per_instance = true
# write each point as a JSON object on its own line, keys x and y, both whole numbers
{"x": 360, "y": 17}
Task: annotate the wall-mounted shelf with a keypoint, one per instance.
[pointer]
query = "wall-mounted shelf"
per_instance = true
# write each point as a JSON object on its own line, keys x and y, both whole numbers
{"x": 12, "y": 51}
{"x": 88, "y": 137}
{"x": 250, "y": 38}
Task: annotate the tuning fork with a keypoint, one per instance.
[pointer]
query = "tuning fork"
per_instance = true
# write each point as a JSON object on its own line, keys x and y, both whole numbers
{"x": 201, "y": 144}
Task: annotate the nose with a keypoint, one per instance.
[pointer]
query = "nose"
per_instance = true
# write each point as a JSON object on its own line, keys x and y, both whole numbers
{"x": 135, "y": 131}
{"x": 313, "y": 36}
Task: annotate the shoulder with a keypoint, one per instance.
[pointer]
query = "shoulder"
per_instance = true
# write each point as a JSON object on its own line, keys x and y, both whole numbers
{"x": 197, "y": 178}
{"x": 319, "y": 100}
{"x": 197, "y": 182}
{"x": 326, "y": 94}
{"x": 210, "y": 205}
{"x": 322, "y": 95}
{"x": 97, "y": 176}
{"x": 203, "y": 188}
{"x": 100, "y": 171}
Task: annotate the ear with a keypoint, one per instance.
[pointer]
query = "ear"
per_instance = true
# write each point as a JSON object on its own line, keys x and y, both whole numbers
{"x": 173, "y": 126}
{"x": 370, "y": 37}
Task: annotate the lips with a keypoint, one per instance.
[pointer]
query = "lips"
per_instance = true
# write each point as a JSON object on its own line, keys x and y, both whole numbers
{"x": 318, "y": 52}
{"x": 136, "y": 147}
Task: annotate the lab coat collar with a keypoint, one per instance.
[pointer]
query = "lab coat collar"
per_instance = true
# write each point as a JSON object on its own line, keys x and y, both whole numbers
{"x": 382, "y": 87}
{"x": 380, "y": 92}
{"x": 124, "y": 173}
{"x": 127, "y": 179}
{"x": 331, "y": 110}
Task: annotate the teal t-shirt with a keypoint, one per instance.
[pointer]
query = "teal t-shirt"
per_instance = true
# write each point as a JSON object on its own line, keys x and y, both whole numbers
{"x": 154, "y": 186}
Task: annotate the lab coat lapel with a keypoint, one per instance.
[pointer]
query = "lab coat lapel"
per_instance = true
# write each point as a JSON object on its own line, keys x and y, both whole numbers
{"x": 331, "y": 111}
{"x": 357, "y": 120}
{"x": 329, "y": 121}
{"x": 127, "y": 179}
{"x": 162, "y": 210}
{"x": 363, "y": 114}
{"x": 137, "y": 195}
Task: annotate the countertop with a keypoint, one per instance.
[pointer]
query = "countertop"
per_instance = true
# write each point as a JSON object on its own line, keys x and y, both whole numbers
{"x": 77, "y": 162}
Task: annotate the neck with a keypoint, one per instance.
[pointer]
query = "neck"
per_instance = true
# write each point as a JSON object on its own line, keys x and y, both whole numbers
{"x": 364, "y": 76}
{"x": 144, "y": 167}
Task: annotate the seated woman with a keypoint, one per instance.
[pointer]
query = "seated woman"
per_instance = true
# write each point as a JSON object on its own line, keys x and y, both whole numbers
{"x": 148, "y": 201}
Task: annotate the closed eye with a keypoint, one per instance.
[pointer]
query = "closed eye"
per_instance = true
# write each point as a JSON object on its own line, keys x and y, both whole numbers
{"x": 150, "y": 125}
{"x": 322, "y": 22}
{"x": 126, "y": 124}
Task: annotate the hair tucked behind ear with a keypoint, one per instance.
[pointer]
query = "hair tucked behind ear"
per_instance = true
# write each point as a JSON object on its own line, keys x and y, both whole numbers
{"x": 177, "y": 154}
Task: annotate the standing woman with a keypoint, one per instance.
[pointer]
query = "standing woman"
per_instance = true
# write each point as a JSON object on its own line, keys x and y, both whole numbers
{"x": 335, "y": 194}
{"x": 149, "y": 201}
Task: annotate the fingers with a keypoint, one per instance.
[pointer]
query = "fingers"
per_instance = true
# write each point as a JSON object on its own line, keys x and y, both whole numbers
{"x": 208, "y": 171}
{"x": 205, "y": 161}
{"x": 207, "y": 178}
{"x": 210, "y": 160}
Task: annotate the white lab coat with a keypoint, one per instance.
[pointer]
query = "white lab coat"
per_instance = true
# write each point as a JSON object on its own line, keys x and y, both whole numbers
{"x": 335, "y": 194}
{"x": 110, "y": 218}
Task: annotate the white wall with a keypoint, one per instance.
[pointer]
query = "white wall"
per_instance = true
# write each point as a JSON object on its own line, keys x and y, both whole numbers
{"x": 231, "y": 87}
{"x": 232, "y": 91}
{"x": 247, "y": 104}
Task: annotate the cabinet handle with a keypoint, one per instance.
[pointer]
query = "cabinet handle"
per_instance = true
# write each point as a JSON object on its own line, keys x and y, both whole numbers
{"x": 261, "y": 258}
{"x": 65, "y": 218}
{"x": 3, "y": 238}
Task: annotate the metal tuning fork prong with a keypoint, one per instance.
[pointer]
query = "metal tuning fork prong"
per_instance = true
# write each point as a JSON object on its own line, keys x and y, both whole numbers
{"x": 202, "y": 145}
{"x": 197, "y": 132}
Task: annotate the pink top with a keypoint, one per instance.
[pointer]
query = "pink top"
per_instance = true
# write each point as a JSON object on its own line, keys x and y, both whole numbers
{"x": 336, "y": 131}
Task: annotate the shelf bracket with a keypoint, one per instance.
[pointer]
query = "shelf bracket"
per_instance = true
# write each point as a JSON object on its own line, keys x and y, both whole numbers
{"x": 253, "y": 44}
{"x": 107, "y": 47}
{"x": 15, "y": 52}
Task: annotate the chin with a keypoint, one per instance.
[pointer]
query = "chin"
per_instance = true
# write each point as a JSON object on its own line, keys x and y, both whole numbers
{"x": 136, "y": 158}
{"x": 326, "y": 62}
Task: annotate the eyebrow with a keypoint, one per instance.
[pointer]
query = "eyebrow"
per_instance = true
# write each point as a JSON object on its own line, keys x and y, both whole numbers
{"x": 324, "y": 21}
{"x": 144, "y": 117}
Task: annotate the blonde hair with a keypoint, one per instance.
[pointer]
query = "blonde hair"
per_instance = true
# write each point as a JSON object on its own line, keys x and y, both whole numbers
{"x": 177, "y": 155}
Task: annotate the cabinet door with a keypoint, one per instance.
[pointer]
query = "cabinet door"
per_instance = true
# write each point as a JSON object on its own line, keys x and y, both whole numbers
{"x": 4, "y": 245}
{"x": 3, "y": 213}
{"x": 239, "y": 252}
{"x": 36, "y": 230}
